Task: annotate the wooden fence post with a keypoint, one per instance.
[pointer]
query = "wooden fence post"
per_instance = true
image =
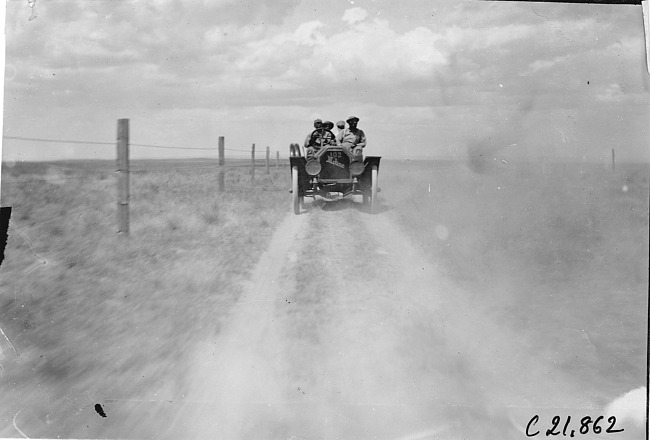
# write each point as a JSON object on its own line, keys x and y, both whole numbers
{"x": 268, "y": 159}
{"x": 123, "y": 176}
{"x": 253, "y": 162}
{"x": 222, "y": 162}
{"x": 222, "y": 147}
{"x": 277, "y": 159}
{"x": 613, "y": 161}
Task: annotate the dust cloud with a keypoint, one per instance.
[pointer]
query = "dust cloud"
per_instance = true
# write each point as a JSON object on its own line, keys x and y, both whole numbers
{"x": 396, "y": 353}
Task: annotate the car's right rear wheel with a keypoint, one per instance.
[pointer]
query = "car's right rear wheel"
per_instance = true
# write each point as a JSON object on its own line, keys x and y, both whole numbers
{"x": 373, "y": 189}
{"x": 294, "y": 190}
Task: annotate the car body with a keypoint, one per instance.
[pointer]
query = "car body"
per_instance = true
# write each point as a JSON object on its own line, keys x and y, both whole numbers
{"x": 333, "y": 173}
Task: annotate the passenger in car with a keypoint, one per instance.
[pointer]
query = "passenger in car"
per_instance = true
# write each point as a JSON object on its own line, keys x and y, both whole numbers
{"x": 340, "y": 126}
{"x": 352, "y": 138}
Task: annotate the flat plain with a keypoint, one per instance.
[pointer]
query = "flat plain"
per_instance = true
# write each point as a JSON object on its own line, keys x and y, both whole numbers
{"x": 479, "y": 295}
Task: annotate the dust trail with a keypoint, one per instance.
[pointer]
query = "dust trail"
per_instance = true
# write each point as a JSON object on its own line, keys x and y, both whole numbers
{"x": 347, "y": 331}
{"x": 485, "y": 379}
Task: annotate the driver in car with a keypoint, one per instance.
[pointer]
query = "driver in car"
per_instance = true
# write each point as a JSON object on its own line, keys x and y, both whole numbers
{"x": 352, "y": 138}
{"x": 320, "y": 137}
{"x": 318, "y": 124}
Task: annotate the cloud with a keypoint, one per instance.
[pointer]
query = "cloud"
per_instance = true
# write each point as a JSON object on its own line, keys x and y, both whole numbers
{"x": 375, "y": 53}
{"x": 231, "y": 52}
{"x": 354, "y": 15}
{"x": 446, "y": 59}
{"x": 307, "y": 34}
{"x": 240, "y": 50}
{"x": 612, "y": 93}
{"x": 362, "y": 62}
{"x": 546, "y": 64}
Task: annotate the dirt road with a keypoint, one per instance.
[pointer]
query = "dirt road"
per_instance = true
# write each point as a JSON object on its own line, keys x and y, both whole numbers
{"x": 346, "y": 331}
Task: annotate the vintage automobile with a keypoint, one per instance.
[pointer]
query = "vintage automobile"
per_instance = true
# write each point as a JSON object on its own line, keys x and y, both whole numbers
{"x": 333, "y": 174}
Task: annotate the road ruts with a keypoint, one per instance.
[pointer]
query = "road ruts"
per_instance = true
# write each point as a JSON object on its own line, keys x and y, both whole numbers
{"x": 346, "y": 331}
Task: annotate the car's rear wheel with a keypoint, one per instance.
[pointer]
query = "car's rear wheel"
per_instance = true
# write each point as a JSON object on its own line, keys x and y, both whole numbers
{"x": 294, "y": 191}
{"x": 373, "y": 189}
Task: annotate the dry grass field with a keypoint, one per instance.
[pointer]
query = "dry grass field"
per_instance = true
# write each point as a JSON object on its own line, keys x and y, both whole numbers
{"x": 539, "y": 269}
{"x": 93, "y": 314}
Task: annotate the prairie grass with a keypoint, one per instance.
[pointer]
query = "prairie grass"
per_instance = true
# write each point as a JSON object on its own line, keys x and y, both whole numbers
{"x": 90, "y": 310}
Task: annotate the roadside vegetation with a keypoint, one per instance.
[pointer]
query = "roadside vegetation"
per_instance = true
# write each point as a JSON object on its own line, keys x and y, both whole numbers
{"x": 89, "y": 310}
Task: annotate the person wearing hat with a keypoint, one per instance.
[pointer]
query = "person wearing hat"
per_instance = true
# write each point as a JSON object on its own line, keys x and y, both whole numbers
{"x": 340, "y": 126}
{"x": 320, "y": 137}
{"x": 328, "y": 136}
{"x": 318, "y": 124}
{"x": 352, "y": 138}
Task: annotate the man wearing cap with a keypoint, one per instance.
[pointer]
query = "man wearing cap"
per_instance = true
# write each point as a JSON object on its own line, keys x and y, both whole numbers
{"x": 352, "y": 138}
{"x": 320, "y": 137}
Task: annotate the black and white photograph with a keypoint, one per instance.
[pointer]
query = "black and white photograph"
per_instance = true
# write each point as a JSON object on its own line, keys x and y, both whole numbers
{"x": 309, "y": 220}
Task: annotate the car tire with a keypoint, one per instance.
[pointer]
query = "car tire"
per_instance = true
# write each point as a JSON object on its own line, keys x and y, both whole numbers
{"x": 373, "y": 189}
{"x": 297, "y": 199}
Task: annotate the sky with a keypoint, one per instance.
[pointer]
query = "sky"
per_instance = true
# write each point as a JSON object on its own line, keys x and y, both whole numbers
{"x": 427, "y": 78}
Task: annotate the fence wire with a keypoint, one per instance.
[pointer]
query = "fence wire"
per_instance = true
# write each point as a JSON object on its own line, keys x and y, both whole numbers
{"x": 74, "y": 141}
{"x": 136, "y": 169}
{"x": 59, "y": 141}
{"x": 171, "y": 148}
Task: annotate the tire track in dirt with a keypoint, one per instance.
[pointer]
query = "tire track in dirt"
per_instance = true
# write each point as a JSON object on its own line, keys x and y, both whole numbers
{"x": 346, "y": 331}
{"x": 236, "y": 381}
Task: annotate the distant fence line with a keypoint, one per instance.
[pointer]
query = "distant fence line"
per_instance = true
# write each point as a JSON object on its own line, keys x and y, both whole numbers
{"x": 123, "y": 146}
